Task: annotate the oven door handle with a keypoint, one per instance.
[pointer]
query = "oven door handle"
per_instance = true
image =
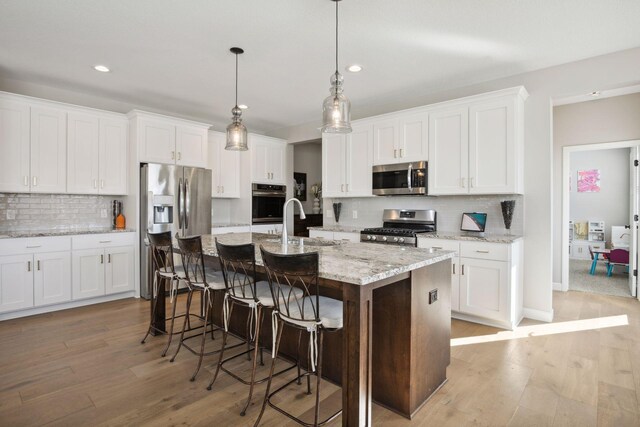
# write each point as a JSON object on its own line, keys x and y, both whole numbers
{"x": 269, "y": 194}
{"x": 409, "y": 173}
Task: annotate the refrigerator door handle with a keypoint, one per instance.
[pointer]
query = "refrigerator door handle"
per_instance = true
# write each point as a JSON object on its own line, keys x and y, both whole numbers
{"x": 187, "y": 203}
{"x": 180, "y": 215}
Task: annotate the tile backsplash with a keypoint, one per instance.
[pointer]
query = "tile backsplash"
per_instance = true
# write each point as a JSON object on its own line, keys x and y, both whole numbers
{"x": 35, "y": 212}
{"x": 449, "y": 209}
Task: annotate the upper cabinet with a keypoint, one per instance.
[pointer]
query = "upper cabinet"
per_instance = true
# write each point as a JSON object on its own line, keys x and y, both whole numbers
{"x": 48, "y": 150}
{"x": 15, "y": 122}
{"x": 225, "y": 166}
{"x": 96, "y": 154}
{"x": 401, "y": 138}
{"x": 268, "y": 159}
{"x": 476, "y": 145}
{"x": 167, "y": 140}
{"x": 346, "y": 162}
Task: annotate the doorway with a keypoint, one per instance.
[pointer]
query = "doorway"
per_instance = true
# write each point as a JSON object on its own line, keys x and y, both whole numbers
{"x": 600, "y": 224}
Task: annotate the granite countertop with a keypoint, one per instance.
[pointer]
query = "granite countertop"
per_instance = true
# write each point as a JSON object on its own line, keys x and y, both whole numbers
{"x": 338, "y": 228}
{"x": 487, "y": 237}
{"x": 52, "y": 233}
{"x": 358, "y": 263}
{"x": 229, "y": 224}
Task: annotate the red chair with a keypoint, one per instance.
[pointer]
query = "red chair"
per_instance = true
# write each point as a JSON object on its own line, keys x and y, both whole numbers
{"x": 618, "y": 257}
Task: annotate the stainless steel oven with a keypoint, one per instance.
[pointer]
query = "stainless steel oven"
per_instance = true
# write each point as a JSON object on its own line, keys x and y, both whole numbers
{"x": 400, "y": 179}
{"x": 267, "y": 202}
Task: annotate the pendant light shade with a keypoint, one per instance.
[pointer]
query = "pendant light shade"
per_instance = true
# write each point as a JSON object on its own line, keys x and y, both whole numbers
{"x": 236, "y": 131}
{"x": 336, "y": 108}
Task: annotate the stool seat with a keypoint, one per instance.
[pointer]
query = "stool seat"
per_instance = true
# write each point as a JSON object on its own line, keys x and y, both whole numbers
{"x": 264, "y": 297}
{"x": 166, "y": 272}
{"x": 215, "y": 281}
{"x": 330, "y": 312}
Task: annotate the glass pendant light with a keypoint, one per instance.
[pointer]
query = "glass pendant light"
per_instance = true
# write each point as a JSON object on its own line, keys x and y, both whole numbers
{"x": 336, "y": 108}
{"x": 236, "y": 131}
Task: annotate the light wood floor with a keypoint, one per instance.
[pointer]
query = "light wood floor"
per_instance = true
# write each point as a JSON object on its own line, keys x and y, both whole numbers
{"x": 86, "y": 367}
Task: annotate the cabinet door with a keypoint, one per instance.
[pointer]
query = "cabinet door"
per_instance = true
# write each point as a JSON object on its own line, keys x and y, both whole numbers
{"x": 385, "y": 142}
{"x": 484, "y": 288}
{"x": 413, "y": 142}
{"x": 216, "y": 139}
{"x": 492, "y": 154}
{"x": 157, "y": 141}
{"x": 448, "y": 151}
{"x": 277, "y": 162}
{"x": 83, "y": 151}
{"x": 87, "y": 273}
{"x": 113, "y": 156}
{"x": 52, "y": 278}
{"x": 16, "y": 282}
{"x": 259, "y": 160}
{"x": 14, "y": 146}
{"x": 119, "y": 270}
{"x": 191, "y": 146}
{"x": 359, "y": 158}
{"x": 229, "y": 172}
{"x": 333, "y": 165}
{"x": 48, "y": 150}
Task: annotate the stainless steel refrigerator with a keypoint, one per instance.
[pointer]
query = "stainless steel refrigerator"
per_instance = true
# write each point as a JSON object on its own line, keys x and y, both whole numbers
{"x": 172, "y": 198}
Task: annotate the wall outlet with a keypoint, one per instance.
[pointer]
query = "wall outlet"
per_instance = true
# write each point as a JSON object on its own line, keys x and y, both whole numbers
{"x": 329, "y": 213}
{"x": 354, "y": 213}
{"x": 103, "y": 213}
{"x": 433, "y": 296}
{"x": 11, "y": 214}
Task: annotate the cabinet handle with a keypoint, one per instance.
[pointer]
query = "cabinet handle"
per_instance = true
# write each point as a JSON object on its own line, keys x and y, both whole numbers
{"x": 95, "y": 183}
{"x": 33, "y": 246}
{"x": 462, "y": 182}
{"x": 482, "y": 252}
{"x": 471, "y": 182}
{"x": 463, "y": 269}
{"x": 28, "y": 265}
{"x": 109, "y": 258}
{"x": 342, "y": 188}
{"x": 38, "y": 265}
{"x": 35, "y": 181}
{"x": 26, "y": 180}
{"x": 454, "y": 268}
{"x": 223, "y": 189}
{"x": 179, "y": 155}
{"x": 347, "y": 186}
{"x": 101, "y": 259}
{"x": 102, "y": 183}
{"x": 437, "y": 247}
{"x": 401, "y": 153}
{"x": 395, "y": 153}
{"x": 173, "y": 155}
{"x": 105, "y": 241}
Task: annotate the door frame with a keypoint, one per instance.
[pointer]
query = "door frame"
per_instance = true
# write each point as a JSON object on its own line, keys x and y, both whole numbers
{"x": 566, "y": 172}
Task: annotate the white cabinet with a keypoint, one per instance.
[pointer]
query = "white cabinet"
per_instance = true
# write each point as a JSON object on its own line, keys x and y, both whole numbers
{"x": 476, "y": 145}
{"x": 401, "y": 138}
{"x": 486, "y": 280}
{"x": 346, "y": 163}
{"x": 16, "y": 282}
{"x": 96, "y": 154}
{"x": 225, "y": 166}
{"x": 579, "y": 249}
{"x": 52, "y": 278}
{"x": 48, "y": 150}
{"x": 335, "y": 235}
{"x": 14, "y": 146}
{"x": 268, "y": 159}
{"x": 168, "y": 140}
{"x": 267, "y": 228}
{"x": 103, "y": 264}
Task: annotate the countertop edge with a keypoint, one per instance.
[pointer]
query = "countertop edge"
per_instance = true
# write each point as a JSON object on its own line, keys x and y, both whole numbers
{"x": 70, "y": 233}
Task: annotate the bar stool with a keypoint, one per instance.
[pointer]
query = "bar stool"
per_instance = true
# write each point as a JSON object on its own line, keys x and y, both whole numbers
{"x": 238, "y": 264}
{"x": 198, "y": 278}
{"x": 311, "y": 312}
{"x": 165, "y": 271}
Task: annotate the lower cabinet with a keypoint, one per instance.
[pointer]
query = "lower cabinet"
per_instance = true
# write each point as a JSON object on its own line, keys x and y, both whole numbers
{"x": 98, "y": 272}
{"x": 579, "y": 249}
{"x": 52, "y": 275}
{"x": 16, "y": 282}
{"x": 486, "y": 280}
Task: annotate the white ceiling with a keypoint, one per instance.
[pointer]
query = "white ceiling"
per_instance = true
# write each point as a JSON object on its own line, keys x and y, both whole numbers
{"x": 172, "y": 56}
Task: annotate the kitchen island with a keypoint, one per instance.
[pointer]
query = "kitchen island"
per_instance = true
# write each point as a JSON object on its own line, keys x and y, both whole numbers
{"x": 395, "y": 344}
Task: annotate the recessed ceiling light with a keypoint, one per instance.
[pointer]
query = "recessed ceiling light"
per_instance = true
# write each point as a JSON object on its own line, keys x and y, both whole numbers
{"x": 354, "y": 68}
{"x": 595, "y": 93}
{"x": 243, "y": 107}
{"x": 102, "y": 68}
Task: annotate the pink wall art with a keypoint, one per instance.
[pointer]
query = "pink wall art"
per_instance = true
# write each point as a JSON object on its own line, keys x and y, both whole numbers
{"x": 589, "y": 181}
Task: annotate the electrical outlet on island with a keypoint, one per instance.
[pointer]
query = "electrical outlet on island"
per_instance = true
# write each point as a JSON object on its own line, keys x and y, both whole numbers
{"x": 103, "y": 213}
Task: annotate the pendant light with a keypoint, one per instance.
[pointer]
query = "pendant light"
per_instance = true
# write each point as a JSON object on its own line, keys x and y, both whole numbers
{"x": 236, "y": 131}
{"x": 336, "y": 108}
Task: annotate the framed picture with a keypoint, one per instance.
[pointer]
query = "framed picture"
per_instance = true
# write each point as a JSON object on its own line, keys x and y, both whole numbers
{"x": 300, "y": 186}
{"x": 589, "y": 181}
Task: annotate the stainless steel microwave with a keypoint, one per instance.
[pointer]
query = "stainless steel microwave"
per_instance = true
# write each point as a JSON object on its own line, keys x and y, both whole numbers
{"x": 400, "y": 179}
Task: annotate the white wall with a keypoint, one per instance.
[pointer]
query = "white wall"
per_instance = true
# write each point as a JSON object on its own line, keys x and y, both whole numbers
{"x": 307, "y": 158}
{"x": 611, "y": 203}
{"x": 542, "y": 157}
{"x": 602, "y": 120}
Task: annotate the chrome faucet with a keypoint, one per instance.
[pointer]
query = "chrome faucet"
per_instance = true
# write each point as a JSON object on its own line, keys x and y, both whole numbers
{"x": 285, "y": 236}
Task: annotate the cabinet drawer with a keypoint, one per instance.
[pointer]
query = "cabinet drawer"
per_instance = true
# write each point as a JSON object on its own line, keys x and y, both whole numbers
{"x": 482, "y": 250}
{"x": 30, "y": 245}
{"x": 90, "y": 241}
{"x": 439, "y": 244}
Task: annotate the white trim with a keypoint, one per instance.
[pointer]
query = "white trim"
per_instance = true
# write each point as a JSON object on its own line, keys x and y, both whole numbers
{"x": 603, "y": 94}
{"x": 543, "y": 316}
{"x": 566, "y": 171}
{"x": 65, "y": 306}
{"x": 557, "y": 286}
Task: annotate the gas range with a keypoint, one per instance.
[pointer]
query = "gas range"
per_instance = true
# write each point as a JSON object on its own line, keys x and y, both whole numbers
{"x": 401, "y": 227}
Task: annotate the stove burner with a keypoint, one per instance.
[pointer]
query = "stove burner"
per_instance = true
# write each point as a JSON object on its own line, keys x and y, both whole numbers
{"x": 401, "y": 228}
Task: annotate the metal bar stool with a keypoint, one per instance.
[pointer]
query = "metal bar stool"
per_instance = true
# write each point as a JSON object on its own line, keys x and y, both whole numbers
{"x": 165, "y": 271}
{"x": 238, "y": 264}
{"x": 308, "y": 312}
{"x": 198, "y": 278}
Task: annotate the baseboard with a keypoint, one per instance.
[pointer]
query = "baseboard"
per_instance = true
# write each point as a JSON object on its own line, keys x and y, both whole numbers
{"x": 557, "y": 286}
{"x": 543, "y": 316}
